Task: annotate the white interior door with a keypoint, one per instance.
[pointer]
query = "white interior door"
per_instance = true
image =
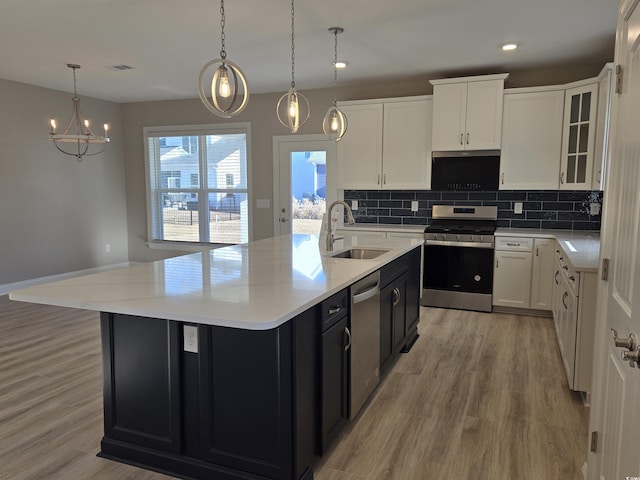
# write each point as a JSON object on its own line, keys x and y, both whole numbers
{"x": 617, "y": 396}
{"x": 304, "y": 182}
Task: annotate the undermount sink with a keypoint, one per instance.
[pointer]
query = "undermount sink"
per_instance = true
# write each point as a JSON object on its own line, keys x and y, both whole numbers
{"x": 360, "y": 253}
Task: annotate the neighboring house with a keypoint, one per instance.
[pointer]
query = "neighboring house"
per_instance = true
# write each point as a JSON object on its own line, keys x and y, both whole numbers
{"x": 308, "y": 175}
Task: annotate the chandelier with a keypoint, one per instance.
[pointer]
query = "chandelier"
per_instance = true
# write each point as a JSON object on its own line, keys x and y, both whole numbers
{"x": 293, "y": 106}
{"x": 229, "y": 88}
{"x": 334, "y": 123}
{"x": 78, "y": 137}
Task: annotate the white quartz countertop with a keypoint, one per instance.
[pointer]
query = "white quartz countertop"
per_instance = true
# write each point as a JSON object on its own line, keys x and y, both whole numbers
{"x": 581, "y": 248}
{"x": 254, "y": 286}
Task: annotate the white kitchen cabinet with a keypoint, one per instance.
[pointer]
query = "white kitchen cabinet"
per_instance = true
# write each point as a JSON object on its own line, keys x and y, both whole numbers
{"x": 467, "y": 113}
{"x": 387, "y": 145}
{"x": 578, "y": 137}
{"x": 359, "y": 152}
{"x": 542, "y": 274}
{"x": 601, "y": 149}
{"x": 574, "y": 305}
{"x": 512, "y": 272}
{"x": 531, "y": 139}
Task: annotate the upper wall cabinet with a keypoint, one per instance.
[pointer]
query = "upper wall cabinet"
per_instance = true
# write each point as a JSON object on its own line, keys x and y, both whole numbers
{"x": 601, "y": 152}
{"x": 387, "y": 145}
{"x": 467, "y": 113}
{"x": 578, "y": 138}
{"x": 531, "y": 139}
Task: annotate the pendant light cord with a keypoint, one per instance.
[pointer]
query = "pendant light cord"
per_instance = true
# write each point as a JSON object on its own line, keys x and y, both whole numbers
{"x": 293, "y": 47}
{"x": 335, "y": 68}
{"x": 223, "y": 53}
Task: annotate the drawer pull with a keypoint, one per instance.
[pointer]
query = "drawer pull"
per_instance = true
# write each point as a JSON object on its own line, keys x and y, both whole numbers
{"x": 565, "y": 295}
{"x": 555, "y": 277}
{"x": 513, "y": 244}
{"x": 334, "y": 310}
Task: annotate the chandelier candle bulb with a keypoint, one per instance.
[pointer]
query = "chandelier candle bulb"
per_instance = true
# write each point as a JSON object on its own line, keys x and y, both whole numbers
{"x": 53, "y": 126}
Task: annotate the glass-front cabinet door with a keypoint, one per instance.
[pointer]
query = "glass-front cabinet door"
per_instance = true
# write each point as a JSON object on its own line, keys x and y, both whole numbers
{"x": 578, "y": 138}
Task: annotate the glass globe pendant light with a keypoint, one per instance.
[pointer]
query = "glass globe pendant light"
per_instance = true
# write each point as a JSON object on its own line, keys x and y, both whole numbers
{"x": 293, "y": 107}
{"x": 334, "y": 123}
{"x": 229, "y": 89}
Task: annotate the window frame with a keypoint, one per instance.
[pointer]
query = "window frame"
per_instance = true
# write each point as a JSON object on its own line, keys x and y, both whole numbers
{"x": 193, "y": 130}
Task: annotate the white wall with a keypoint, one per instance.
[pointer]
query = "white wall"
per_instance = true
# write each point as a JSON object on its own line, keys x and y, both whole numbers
{"x": 56, "y": 214}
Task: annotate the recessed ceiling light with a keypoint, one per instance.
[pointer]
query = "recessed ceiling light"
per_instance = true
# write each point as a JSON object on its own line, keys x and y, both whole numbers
{"x": 509, "y": 46}
{"x": 340, "y": 64}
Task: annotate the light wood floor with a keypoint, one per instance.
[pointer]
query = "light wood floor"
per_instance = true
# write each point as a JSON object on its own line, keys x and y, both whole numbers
{"x": 480, "y": 396}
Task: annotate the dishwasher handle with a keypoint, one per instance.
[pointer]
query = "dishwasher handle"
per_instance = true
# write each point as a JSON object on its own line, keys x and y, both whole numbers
{"x": 367, "y": 294}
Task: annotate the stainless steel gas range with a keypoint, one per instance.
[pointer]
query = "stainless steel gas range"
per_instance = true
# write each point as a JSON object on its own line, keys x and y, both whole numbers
{"x": 458, "y": 257}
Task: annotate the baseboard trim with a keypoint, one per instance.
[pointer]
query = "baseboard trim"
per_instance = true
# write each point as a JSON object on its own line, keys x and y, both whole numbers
{"x": 523, "y": 311}
{"x": 8, "y": 287}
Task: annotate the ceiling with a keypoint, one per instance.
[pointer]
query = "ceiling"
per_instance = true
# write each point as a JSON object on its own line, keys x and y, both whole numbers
{"x": 168, "y": 41}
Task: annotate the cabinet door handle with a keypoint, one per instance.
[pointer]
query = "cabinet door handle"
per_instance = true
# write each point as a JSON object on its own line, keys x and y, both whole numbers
{"x": 598, "y": 175}
{"x": 537, "y": 251}
{"x": 334, "y": 310}
{"x": 467, "y": 138}
{"x": 348, "y": 334}
{"x": 384, "y": 179}
{"x": 461, "y": 138}
{"x": 565, "y": 295}
{"x": 396, "y": 294}
{"x": 378, "y": 179}
{"x": 555, "y": 277}
{"x": 502, "y": 178}
{"x": 497, "y": 262}
{"x": 562, "y": 178}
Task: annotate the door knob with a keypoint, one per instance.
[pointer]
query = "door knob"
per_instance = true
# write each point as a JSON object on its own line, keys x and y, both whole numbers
{"x": 633, "y": 357}
{"x": 283, "y": 220}
{"x": 629, "y": 343}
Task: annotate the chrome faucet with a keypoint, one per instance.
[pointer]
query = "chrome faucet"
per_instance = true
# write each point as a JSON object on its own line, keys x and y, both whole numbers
{"x": 330, "y": 239}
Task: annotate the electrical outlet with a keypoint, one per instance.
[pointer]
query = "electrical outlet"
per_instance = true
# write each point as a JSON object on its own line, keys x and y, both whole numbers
{"x": 414, "y": 205}
{"x": 517, "y": 208}
{"x": 107, "y": 247}
{"x": 190, "y": 338}
{"x": 354, "y": 204}
{"x": 594, "y": 208}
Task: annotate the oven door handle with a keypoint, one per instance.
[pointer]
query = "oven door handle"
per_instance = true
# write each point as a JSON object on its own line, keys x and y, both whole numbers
{"x": 445, "y": 243}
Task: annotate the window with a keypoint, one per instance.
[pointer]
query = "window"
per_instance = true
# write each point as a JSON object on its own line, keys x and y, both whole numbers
{"x": 197, "y": 183}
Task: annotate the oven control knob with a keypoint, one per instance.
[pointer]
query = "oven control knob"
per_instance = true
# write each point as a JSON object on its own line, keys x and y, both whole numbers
{"x": 444, "y": 237}
{"x": 458, "y": 237}
{"x": 471, "y": 238}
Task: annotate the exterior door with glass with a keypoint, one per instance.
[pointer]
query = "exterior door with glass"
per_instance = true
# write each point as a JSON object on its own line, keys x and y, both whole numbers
{"x": 304, "y": 182}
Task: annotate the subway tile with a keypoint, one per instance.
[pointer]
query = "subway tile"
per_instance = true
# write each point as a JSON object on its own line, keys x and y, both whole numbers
{"x": 580, "y": 216}
{"x": 565, "y": 206}
{"x": 504, "y": 206}
{"x": 401, "y": 212}
{"x": 586, "y": 226}
{"x": 465, "y": 203}
{"x": 532, "y": 205}
{"x": 368, "y": 203}
{"x": 390, "y": 220}
{"x": 525, "y": 224}
{"x": 455, "y": 196}
{"x": 390, "y": 203}
{"x": 379, "y": 194}
{"x": 435, "y": 195}
{"x": 483, "y": 195}
{"x": 401, "y": 195}
{"x": 355, "y": 194}
{"x": 572, "y": 196}
{"x": 512, "y": 195}
{"x": 556, "y": 225}
{"x": 365, "y": 219}
{"x": 542, "y": 196}
{"x": 415, "y": 221}
{"x": 378, "y": 212}
{"x": 542, "y": 215}
{"x": 504, "y": 223}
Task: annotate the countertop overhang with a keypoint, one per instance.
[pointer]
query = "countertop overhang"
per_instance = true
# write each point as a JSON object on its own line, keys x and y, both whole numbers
{"x": 255, "y": 286}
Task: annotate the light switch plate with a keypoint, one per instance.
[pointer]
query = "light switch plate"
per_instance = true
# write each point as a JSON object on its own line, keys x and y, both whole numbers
{"x": 190, "y": 338}
{"x": 354, "y": 204}
{"x": 414, "y": 205}
{"x": 517, "y": 208}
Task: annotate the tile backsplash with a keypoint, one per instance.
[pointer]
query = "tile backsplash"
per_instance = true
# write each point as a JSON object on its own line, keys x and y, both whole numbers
{"x": 547, "y": 209}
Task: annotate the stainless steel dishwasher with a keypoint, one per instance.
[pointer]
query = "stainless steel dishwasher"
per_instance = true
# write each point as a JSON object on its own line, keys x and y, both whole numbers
{"x": 365, "y": 340}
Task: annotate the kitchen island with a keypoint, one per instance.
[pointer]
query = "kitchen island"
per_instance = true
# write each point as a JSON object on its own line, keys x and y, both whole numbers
{"x": 213, "y": 362}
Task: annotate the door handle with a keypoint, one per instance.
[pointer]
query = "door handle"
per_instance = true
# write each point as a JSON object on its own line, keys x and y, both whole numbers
{"x": 348, "y": 334}
{"x": 631, "y": 353}
{"x": 283, "y": 220}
